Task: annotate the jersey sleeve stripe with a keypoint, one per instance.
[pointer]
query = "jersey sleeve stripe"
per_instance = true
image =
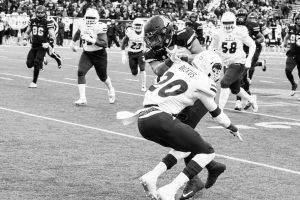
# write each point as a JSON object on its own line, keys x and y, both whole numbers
{"x": 213, "y": 89}
{"x": 191, "y": 40}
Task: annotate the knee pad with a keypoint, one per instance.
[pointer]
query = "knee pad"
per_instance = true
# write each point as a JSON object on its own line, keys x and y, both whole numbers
{"x": 235, "y": 90}
{"x": 134, "y": 72}
{"x": 37, "y": 64}
{"x": 80, "y": 73}
{"x": 29, "y": 65}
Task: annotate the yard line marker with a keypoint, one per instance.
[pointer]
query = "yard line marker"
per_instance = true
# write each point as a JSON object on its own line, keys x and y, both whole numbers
{"x": 132, "y": 80}
{"x": 71, "y": 79}
{"x": 266, "y": 81}
{"x": 4, "y": 78}
{"x": 142, "y": 139}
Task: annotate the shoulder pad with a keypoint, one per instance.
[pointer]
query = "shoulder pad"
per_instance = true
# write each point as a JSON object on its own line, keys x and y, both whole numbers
{"x": 129, "y": 31}
{"x": 207, "y": 85}
{"x": 100, "y": 27}
{"x": 243, "y": 31}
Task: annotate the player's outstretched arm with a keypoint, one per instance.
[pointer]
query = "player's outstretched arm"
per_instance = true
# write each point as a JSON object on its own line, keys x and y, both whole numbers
{"x": 252, "y": 47}
{"x": 218, "y": 115}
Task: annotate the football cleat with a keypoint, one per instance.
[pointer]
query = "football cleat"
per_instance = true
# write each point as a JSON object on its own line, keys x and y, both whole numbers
{"x": 149, "y": 184}
{"x": 214, "y": 173}
{"x": 192, "y": 187}
{"x": 81, "y": 102}
{"x": 247, "y": 106}
{"x": 111, "y": 96}
{"x": 264, "y": 65}
{"x": 294, "y": 87}
{"x": 32, "y": 85}
{"x": 45, "y": 61}
{"x": 254, "y": 103}
{"x": 238, "y": 105}
{"x": 166, "y": 193}
{"x": 59, "y": 65}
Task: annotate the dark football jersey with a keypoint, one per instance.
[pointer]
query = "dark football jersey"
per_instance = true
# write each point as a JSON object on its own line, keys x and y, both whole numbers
{"x": 39, "y": 30}
{"x": 253, "y": 29}
{"x": 197, "y": 28}
{"x": 294, "y": 39}
{"x": 183, "y": 38}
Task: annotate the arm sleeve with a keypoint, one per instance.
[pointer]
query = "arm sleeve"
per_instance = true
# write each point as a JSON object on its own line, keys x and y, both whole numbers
{"x": 124, "y": 42}
{"x": 101, "y": 40}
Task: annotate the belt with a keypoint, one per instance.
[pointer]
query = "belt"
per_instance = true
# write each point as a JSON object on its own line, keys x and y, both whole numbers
{"x": 150, "y": 105}
{"x": 147, "y": 111}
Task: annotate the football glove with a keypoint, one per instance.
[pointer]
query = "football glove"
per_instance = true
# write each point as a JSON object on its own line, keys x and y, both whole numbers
{"x": 24, "y": 42}
{"x": 73, "y": 47}
{"x": 45, "y": 45}
{"x": 124, "y": 57}
{"x": 88, "y": 38}
{"x": 248, "y": 63}
{"x": 235, "y": 131}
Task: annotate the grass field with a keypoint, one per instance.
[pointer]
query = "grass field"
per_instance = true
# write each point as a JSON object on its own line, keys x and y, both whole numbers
{"x": 51, "y": 149}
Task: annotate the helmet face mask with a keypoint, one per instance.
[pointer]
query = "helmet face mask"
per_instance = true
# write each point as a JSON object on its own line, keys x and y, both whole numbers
{"x": 40, "y": 12}
{"x": 253, "y": 17}
{"x": 228, "y": 21}
{"x": 297, "y": 19}
{"x": 91, "y": 17}
{"x": 137, "y": 25}
{"x": 241, "y": 16}
{"x": 158, "y": 33}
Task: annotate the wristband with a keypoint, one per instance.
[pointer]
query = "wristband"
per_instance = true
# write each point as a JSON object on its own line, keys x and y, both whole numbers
{"x": 232, "y": 128}
{"x": 169, "y": 62}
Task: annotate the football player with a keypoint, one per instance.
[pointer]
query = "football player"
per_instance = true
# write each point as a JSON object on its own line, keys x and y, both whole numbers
{"x": 228, "y": 42}
{"x": 254, "y": 31}
{"x": 134, "y": 40}
{"x": 160, "y": 37}
{"x": 93, "y": 34}
{"x": 198, "y": 28}
{"x": 43, "y": 34}
{"x": 293, "y": 54}
{"x": 50, "y": 49}
{"x": 182, "y": 85}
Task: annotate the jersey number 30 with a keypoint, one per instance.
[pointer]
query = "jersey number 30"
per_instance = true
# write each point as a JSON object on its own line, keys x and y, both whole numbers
{"x": 169, "y": 87}
{"x": 231, "y": 48}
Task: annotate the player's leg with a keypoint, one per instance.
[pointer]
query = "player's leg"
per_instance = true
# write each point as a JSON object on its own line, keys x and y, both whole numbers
{"x": 244, "y": 84}
{"x": 232, "y": 74}
{"x": 54, "y": 55}
{"x": 142, "y": 64}
{"x": 254, "y": 61}
{"x": 99, "y": 60}
{"x": 169, "y": 132}
{"x": 237, "y": 90}
{"x": 84, "y": 66}
{"x": 133, "y": 63}
{"x": 37, "y": 65}
{"x": 290, "y": 64}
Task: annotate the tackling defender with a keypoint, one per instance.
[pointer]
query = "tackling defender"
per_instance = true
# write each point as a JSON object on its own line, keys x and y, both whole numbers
{"x": 134, "y": 40}
{"x": 40, "y": 28}
{"x": 93, "y": 34}
{"x": 162, "y": 40}
{"x": 182, "y": 85}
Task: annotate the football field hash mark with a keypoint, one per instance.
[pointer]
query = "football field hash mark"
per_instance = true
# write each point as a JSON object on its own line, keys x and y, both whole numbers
{"x": 142, "y": 139}
{"x": 8, "y": 79}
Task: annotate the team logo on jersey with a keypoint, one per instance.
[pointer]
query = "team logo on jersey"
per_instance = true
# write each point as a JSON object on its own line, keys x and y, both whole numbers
{"x": 230, "y": 38}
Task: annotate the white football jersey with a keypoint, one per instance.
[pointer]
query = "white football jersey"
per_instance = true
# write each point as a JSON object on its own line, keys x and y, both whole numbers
{"x": 136, "y": 41}
{"x": 24, "y": 21}
{"x": 179, "y": 87}
{"x": 230, "y": 45}
{"x": 93, "y": 31}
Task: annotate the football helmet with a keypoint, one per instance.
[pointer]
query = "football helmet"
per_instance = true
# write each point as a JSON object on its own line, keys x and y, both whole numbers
{"x": 91, "y": 17}
{"x": 241, "y": 16}
{"x": 159, "y": 31}
{"x": 253, "y": 17}
{"x": 210, "y": 63}
{"x": 297, "y": 19}
{"x": 193, "y": 17}
{"x": 40, "y": 12}
{"x": 137, "y": 25}
{"x": 228, "y": 21}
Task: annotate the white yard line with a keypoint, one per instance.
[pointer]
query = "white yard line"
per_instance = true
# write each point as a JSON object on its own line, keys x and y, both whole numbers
{"x": 8, "y": 79}
{"x": 142, "y": 139}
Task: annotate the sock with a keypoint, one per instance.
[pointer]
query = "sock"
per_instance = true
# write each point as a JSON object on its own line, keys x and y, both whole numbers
{"x": 35, "y": 75}
{"x": 179, "y": 181}
{"x": 143, "y": 78}
{"x": 244, "y": 95}
{"x": 81, "y": 88}
{"x": 159, "y": 169}
{"x": 108, "y": 83}
{"x": 224, "y": 95}
{"x": 290, "y": 76}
